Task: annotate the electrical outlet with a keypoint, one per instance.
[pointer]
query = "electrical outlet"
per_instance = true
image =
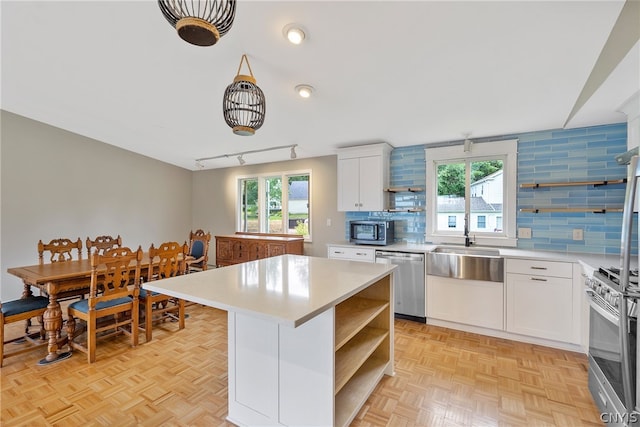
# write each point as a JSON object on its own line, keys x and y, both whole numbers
{"x": 578, "y": 234}
{"x": 328, "y": 222}
{"x": 524, "y": 233}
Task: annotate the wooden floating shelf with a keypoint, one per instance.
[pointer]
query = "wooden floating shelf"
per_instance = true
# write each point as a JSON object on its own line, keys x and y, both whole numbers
{"x": 575, "y": 183}
{"x": 405, "y": 210}
{"x": 592, "y": 210}
{"x": 404, "y": 189}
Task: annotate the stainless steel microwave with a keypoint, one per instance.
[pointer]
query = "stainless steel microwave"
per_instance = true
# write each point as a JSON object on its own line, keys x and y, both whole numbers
{"x": 371, "y": 232}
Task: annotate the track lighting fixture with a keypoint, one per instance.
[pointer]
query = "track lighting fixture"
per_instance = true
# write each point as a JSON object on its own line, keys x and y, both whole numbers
{"x": 240, "y": 155}
{"x": 467, "y": 142}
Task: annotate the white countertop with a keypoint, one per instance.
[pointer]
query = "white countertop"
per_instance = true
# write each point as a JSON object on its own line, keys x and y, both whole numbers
{"x": 289, "y": 289}
{"x": 585, "y": 259}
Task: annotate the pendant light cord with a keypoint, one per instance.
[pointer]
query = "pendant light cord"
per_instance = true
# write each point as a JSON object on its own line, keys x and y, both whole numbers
{"x": 243, "y": 59}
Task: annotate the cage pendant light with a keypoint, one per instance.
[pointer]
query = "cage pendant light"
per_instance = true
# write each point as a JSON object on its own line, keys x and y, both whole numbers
{"x": 243, "y": 104}
{"x": 201, "y": 23}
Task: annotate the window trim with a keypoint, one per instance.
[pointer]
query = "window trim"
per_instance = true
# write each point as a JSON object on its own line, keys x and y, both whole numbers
{"x": 284, "y": 175}
{"x": 507, "y": 151}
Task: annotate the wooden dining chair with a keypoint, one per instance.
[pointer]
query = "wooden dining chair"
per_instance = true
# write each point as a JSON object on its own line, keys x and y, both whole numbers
{"x": 23, "y": 309}
{"x": 198, "y": 255}
{"x": 102, "y": 243}
{"x": 168, "y": 260}
{"x": 60, "y": 250}
{"x": 113, "y": 299}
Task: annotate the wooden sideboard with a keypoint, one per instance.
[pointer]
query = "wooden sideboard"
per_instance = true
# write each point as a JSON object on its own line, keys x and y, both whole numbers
{"x": 243, "y": 247}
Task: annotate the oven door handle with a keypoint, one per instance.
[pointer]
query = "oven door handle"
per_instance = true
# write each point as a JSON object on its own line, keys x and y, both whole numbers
{"x": 601, "y": 311}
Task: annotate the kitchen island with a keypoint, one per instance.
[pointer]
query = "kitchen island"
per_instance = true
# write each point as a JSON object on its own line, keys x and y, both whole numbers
{"x": 308, "y": 338}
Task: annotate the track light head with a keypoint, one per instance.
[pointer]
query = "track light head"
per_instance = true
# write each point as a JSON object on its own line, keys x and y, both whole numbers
{"x": 293, "y": 152}
{"x": 241, "y": 160}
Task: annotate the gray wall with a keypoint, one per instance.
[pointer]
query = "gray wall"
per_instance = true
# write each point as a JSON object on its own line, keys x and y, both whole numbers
{"x": 214, "y": 199}
{"x": 55, "y": 184}
{"x": 59, "y": 184}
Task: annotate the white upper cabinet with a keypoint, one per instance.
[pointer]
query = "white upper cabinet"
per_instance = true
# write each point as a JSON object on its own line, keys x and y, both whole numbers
{"x": 363, "y": 174}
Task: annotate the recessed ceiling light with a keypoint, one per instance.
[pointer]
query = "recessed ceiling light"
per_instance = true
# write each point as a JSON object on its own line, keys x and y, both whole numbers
{"x": 304, "y": 91}
{"x": 294, "y": 33}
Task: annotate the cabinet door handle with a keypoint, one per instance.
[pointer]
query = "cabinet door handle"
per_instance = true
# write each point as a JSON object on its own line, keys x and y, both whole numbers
{"x": 361, "y": 253}
{"x": 338, "y": 252}
{"x": 538, "y": 268}
{"x": 538, "y": 279}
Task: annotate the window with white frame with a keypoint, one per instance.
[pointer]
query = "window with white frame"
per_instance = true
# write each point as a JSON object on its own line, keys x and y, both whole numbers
{"x": 477, "y": 188}
{"x": 275, "y": 203}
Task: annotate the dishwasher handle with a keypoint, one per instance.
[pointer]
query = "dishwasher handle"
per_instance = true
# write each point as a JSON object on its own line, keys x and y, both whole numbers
{"x": 400, "y": 255}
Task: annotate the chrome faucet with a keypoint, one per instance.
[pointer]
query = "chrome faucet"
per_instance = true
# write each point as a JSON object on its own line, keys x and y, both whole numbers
{"x": 467, "y": 241}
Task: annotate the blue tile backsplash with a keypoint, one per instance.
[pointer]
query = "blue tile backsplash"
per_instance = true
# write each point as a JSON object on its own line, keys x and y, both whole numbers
{"x": 583, "y": 154}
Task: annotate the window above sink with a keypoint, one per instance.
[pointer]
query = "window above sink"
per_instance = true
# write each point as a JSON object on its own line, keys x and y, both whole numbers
{"x": 472, "y": 193}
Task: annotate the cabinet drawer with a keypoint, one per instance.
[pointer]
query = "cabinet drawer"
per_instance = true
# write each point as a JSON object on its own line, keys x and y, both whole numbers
{"x": 354, "y": 254}
{"x": 540, "y": 268}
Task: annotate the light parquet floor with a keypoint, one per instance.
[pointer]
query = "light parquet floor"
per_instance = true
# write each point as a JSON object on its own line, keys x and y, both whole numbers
{"x": 444, "y": 378}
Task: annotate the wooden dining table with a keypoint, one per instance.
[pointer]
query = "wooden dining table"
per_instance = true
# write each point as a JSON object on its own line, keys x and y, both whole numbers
{"x": 59, "y": 280}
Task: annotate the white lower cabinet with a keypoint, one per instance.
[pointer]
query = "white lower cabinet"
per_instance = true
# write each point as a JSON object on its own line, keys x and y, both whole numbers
{"x": 352, "y": 253}
{"x": 540, "y": 299}
{"x": 470, "y": 302}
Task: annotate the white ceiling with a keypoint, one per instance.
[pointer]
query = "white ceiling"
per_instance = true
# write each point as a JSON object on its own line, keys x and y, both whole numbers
{"x": 407, "y": 73}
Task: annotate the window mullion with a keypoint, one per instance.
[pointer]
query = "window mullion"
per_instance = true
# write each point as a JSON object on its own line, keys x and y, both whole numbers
{"x": 285, "y": 203}
{"x": 262, "y": 204}
{"x": 467, "y": 193}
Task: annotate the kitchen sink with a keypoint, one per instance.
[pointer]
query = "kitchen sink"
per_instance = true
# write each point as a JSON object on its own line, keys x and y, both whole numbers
{"x": 466, "y": 263}
{"x": 466, "y": 251}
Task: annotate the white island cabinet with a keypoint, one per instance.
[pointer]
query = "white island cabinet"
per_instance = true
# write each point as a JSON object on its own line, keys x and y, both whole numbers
{"x": 308, "y": 338}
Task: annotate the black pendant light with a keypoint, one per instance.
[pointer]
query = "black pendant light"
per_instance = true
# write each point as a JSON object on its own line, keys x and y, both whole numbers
{"x": 243, "y": 104}
{"x": 201, "y": 23}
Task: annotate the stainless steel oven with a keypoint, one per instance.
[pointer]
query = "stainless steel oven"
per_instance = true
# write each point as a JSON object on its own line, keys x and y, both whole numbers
{"x": 613, "y": 296}
{"x": 612, "y": 349}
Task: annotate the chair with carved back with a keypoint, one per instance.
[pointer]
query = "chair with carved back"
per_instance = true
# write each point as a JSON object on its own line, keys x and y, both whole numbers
{"x": 112, "y": 306}
{"x": 25, "y": 308}
{"x": 60, "y": 250}
{"x": 102, "y": 243}
{"x": 198, "y": 251}
{"x": 168, "y": 260}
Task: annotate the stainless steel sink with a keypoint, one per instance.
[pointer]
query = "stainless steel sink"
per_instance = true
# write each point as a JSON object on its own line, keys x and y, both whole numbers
{"x": 466, "y": 251}
{"x": 466, "y": 263}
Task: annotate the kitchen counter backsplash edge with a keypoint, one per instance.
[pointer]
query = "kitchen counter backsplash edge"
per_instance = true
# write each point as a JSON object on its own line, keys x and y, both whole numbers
{"x": 593, "y": 260}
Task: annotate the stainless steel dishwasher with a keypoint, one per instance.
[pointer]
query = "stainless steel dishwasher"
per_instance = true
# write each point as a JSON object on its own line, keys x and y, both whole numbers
{"x": 409, "y": 285}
